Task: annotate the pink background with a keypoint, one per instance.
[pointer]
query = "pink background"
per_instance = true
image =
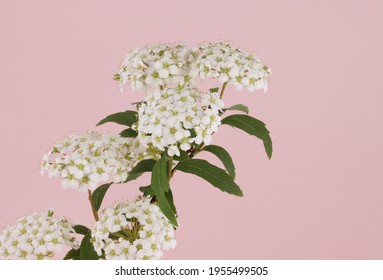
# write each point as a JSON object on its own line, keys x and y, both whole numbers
{"x": 320, "y": 197}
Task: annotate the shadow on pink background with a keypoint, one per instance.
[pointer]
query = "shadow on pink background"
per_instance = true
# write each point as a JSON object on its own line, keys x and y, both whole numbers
{"x": 320, "y": 197}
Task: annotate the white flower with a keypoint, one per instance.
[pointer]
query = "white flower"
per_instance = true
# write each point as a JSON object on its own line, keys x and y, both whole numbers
{"x": 173, "y": 150}
{"x": 230, "y": 64}
{"x": 36, "y": 236}
{"x": 168, "y": 65}
{"x": 154, "y": 66}
{"x": 167, "y": 117}
{"x": 86, "y": 160}
{"x": 133, "y": 230}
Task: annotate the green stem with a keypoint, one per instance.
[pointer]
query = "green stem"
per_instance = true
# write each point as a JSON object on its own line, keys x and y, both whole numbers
{"x": 223, "y": 89}
{"x": 196, "y": 150}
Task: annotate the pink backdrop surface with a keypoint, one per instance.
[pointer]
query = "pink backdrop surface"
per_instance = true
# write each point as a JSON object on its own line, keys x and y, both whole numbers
{"x": 320, "y": 197}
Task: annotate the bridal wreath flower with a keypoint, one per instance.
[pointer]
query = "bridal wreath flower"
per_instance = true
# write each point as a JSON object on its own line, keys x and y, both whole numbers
{"x": 36, "y": 236}
{"x": 171, "y": 65}
{"x": 167, "y": 118}
{"x": 133, "y": 230}
{"x": 85, "y": 160}
{"x": 170, "y": 126}
{"x": 230, "y": 64}
{"x": 155, "y": 66}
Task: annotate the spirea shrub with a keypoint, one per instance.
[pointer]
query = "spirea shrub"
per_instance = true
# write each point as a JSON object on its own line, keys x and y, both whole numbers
{"x": 163, "y": 134}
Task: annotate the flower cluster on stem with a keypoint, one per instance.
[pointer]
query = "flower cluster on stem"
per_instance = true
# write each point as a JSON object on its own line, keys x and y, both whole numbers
{"x": 134, "y": 230}
{"x": 175, "y": 117}
{"x": 229, "y": 64}
{"x": 178, "y": 118}
{"x": 86, "y": 160}
{"x": 164, "y": 65}
{"x": 36, "y": 236}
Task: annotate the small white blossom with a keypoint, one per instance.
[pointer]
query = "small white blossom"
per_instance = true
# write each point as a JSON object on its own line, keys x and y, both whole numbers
{"x": 229, "y": 64}
{"x": 166, "y": 117}
{"x": 86, "y": 160}
{"x": 154, "y": 66}
{"x": 167, "y": 65}
{"x": 36, "y": 236}
{"x": 133, "y": 230}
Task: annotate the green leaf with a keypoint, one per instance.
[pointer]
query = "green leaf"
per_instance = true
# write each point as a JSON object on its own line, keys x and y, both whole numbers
{"x": 129, "y": 133}
{"x": 238, "y": 107}
{"x": 253, "y": 127}
{"x": 224, "y": 156}
{"x": 147, "y": 190}
{"x": 73, "y": 254}
{"x": 145, "y": 165}
{"x": 80, "y": 229}
{"x": 216, "y": 89}
{"x": 170, "y": 199}
{"x": 98, "y": 195}
{"x": 160, "y": 185}
{"x": 125, "y": 118}
{"x": 166, "y": 208}
{"x": 159, "y": 181}
{"x": 133, "y": 176}
{"x": 211, "y": 173}
{"x": 87, "y": 251}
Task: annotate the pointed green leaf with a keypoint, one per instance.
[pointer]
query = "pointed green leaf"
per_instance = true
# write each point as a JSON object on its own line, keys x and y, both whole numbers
{"x": 147, "y": 190}
{"x": 80, "y": 229}
{"x": 98, "y": 195}
{"x": 145, "y": 165}
{"x": 211, "y": 173}
{"x": 128, "y": 133}
{"x": 125, "y": 118}
{"x": 238, "y": 107}
{"x": 160, "y": 182}
{"x": 224, "y": 156}
{"x": 133, "y": 176}
{"x": 253, "y": 127}
{"x": 73, "y": 254}
{"x": 170, "y": 199}
{"x": 87, "y": 251}
{"x": 160, "y": 185}
{"x": 166, "y": 208}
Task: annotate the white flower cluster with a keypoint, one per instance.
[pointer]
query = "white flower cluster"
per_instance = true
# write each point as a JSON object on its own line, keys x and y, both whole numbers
{"x": 36, "y": 236}
{"x": 133, "y": 230}
{"x": 167, "y": 117}
{"x": 85, "y": 160}
{"x": 154, "y": 66}
{"x": 162, "y": 65}
{"x": 229, "y": 64}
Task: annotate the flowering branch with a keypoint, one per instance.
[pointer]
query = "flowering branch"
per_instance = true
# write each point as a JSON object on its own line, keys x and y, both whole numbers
{"x": 174, "y": 122}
